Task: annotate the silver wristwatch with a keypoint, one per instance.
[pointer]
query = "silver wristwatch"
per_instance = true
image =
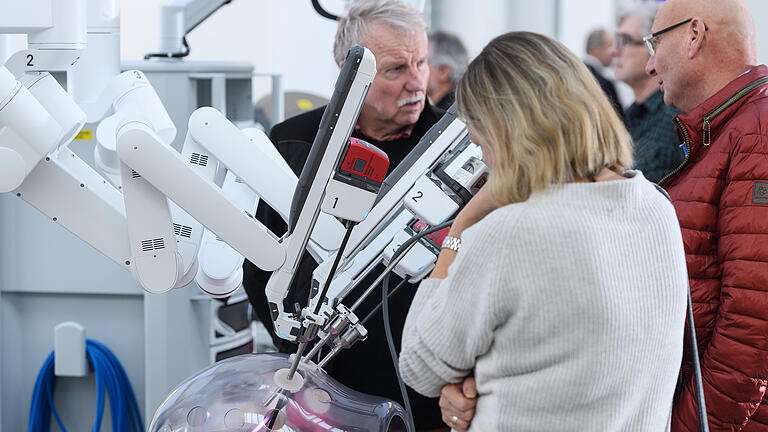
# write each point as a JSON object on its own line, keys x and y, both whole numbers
{"x": 451, "y": 243}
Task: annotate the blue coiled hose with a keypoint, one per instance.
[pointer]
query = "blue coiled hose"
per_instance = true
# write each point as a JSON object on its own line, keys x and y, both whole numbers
{"x": 109, "y": 374}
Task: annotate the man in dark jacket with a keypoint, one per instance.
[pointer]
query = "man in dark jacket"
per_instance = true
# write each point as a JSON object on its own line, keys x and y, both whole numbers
{"x": 704, "y": 58}
{"x": 447, "y": 62}
{"x": 657, "y": 149}
{"x": 599, "y": 54}
{"x": 394, "y": 116}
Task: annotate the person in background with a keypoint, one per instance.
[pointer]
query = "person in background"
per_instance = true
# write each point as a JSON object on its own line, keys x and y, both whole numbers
{"x": 542, "y": 289}
{"x": 447, "y": 61}
{"x": 599, "y": 51}
{"x": 703, "y": 57}
{"x": 394, "y": 117}
{"x": 657, "y": 149}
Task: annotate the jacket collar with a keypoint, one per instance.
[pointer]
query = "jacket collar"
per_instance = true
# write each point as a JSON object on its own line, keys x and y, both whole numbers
{"x": 702, "y": 122}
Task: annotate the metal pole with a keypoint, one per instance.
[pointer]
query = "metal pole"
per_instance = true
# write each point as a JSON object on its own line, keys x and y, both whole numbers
{"x": 278, "y": 99}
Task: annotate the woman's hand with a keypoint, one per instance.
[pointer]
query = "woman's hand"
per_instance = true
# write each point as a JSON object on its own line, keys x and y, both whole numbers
{"x": 457, "y": 404}
{"x": 477, "y": 208}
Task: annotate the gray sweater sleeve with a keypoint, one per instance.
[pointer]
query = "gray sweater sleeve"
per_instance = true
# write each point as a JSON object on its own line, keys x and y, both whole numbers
{"x": 451, "y": 321}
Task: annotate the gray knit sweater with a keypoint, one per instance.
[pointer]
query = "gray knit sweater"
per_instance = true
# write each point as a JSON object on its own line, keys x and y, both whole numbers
{"x": 568, "y": 308}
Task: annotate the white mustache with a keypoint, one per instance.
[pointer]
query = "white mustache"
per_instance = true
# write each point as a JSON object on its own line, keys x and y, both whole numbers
{"x": 419, "y": 96}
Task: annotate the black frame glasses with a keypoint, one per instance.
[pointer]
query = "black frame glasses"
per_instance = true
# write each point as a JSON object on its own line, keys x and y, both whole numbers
{"x": 623, "y": 40}
{"x": 650, "y": 40}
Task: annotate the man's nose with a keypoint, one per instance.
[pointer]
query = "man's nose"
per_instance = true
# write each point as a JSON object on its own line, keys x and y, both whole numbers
{"x": 615, "y": 52}
{"x": 417, "y": 80}
{"x": 650, "y": 67}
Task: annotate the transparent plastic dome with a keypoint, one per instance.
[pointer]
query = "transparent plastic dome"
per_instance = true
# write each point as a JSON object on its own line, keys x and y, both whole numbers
{"x": 239, "y": 394}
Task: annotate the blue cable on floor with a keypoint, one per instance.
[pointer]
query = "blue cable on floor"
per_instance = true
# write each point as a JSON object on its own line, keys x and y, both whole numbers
{"x": 109, "y": 374}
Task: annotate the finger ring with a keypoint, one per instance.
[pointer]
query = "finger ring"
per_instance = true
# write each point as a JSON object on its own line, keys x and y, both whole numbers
{"x": 454, "y": 421}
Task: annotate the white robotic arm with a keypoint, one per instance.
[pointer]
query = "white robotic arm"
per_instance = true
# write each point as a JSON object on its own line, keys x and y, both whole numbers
{"x": 179, "y": 18}
{"x": 369, "y": 241}
{"x": 335, "y": 128}
{"x": 256, "y": 162}
{"x": 439, "y": 176}
{"x": 27, "y": 132}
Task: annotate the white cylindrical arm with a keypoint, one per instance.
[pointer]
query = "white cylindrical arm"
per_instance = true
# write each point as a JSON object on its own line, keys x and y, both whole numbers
{"x": 27, "y": 132}
{"x": 137, "y": 97}
{"x": 7, "y": 85}
{"x": 68, "y": 30}
{"x": 56, "y": 101}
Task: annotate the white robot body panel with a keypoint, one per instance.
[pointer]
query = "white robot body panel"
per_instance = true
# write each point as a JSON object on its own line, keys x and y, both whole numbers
{"x": 416, "y": 263}
{"x": 67, "y": 194}
{"x": 188, "y": 232}
{"x": 427, "y": 201}
{"x": 156, "y": 263}
{"x": 346, "y": 201}
{"x": 42, "y": 60}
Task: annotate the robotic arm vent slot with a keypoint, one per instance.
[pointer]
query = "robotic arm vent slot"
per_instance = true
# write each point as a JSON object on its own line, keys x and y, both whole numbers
{"x": 152, "y": 244}
{"x": 199, "y": 159}
{"x": 182, "y": 230}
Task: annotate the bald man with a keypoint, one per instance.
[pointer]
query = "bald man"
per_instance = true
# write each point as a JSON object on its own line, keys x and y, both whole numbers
{"x": 703, "y": 57}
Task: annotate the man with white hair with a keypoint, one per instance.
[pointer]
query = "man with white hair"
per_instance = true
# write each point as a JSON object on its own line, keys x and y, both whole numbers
{"x": 447, "y": 62}
{"x": 657, "y": 149}
{"x": 394, "y": 117}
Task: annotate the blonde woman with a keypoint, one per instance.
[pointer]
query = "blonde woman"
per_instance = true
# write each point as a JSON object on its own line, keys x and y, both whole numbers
{"x": 567, "y": 296}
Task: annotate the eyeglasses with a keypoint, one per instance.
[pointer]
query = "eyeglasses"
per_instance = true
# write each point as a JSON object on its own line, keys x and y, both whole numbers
{"x": 623, "y": 40}
{"x": 651, "y": 40}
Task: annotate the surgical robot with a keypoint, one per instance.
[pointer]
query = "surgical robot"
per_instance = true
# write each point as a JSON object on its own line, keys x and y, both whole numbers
{"x": 335, "y": 210}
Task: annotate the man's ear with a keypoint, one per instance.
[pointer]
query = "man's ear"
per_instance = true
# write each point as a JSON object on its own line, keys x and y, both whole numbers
{"x": 341, "y": 64}
{"x": 697, "y": 31}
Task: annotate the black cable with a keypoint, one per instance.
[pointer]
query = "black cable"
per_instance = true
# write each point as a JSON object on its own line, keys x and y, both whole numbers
{"x": 335, "y": 265}
{"x": 181, "y": 54}
{"x": 393, "y": 352}
{"x": 324, "y": 13}
{"x": 385, "y": 316}
{"x": 698, "y": 384}
{"x": 378, "y": 306}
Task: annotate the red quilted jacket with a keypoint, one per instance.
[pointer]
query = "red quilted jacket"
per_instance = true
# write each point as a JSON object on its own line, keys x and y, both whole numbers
{"x": 720, "y": 193}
